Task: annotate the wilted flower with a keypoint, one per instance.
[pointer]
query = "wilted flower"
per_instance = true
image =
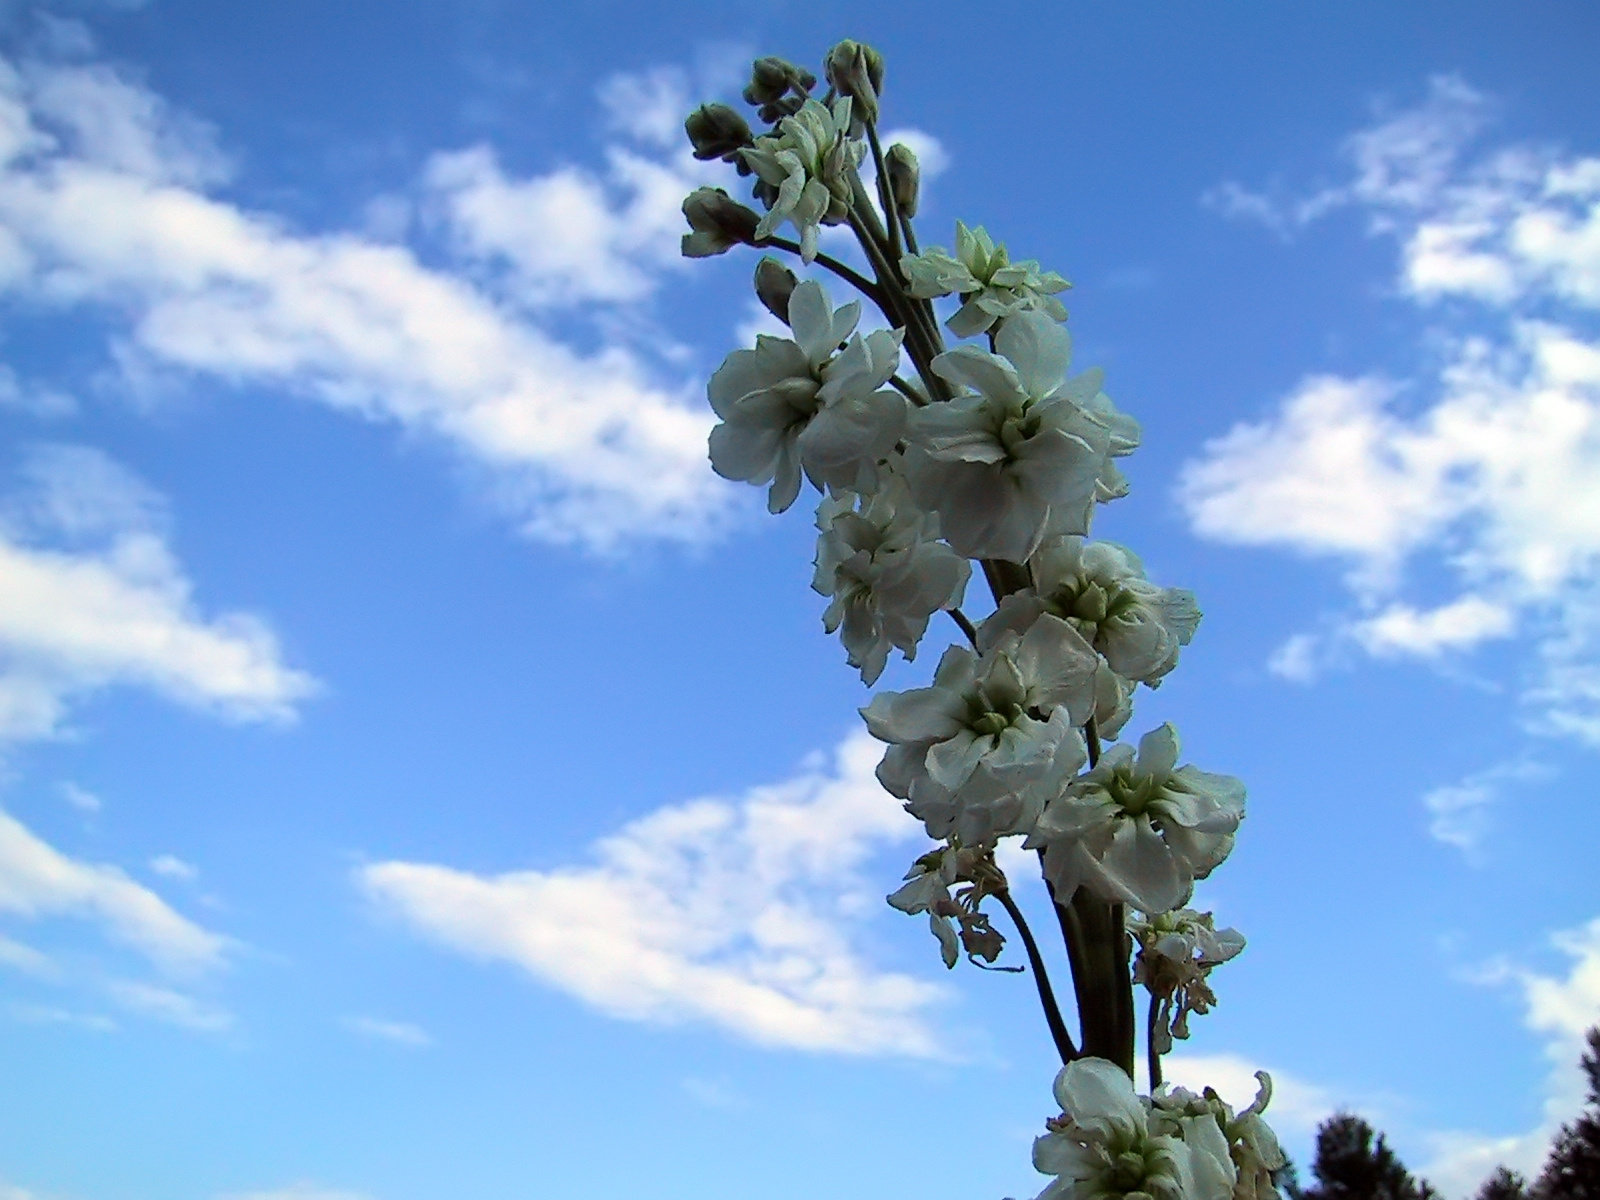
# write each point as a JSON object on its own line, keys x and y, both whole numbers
{"x": 979, "y": 753}
{"x": 809, "y": 160}
{"x": 1100, "y": 587}
{"x": 1177, "y": 951}
{"x": 879, "y": 561}
{"x": 993, "y": 286}
{"x": 928, "y": 890}
{"x": 1139, "y": 830}
{"x": 788, "y": 405}
{"x": 1103, "y": 1147}
{"x": 1023, "y": 458}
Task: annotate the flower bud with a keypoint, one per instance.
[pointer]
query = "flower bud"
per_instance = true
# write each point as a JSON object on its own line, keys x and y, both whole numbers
{"x": 775, "y": 283}
{"x": 856, "y": 70}
{"x": 717, "y": 131}
{"x": 905, "y": 178}
{"x": 771, "y": 78}
{"x": 718, "y": 222}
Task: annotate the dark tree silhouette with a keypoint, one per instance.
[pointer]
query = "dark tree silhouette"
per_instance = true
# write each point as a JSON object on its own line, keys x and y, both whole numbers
{"x": 1572, "y": 1172}
{"x": 1354, "y": 1163}
{"x": 1504, "y": 1184}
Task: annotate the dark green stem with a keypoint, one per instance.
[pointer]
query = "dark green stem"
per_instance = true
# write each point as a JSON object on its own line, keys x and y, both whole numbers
{"x": 1041, "y": 980}
{"x": 1152, "y": 1056}
{"x": 854, "y": 278}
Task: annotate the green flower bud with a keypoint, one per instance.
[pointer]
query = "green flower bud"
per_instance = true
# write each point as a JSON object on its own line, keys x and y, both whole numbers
{"x": 717, "y": 131}
{"x": 772, "y": 78}
{"x": 856, "y": 70}
{"x": 905, "y": 178}
{"x": 775, "y": 283}
{"x": 717, "y": 222}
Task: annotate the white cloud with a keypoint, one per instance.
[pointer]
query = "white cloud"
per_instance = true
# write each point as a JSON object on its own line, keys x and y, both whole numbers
{"x": 19, "y": 956}
{"x": 1560, "y": 1010}
{"x": 34, "y": 399}
{"x": 400, "y": 1032}
{"x": 80, "y": 798}
{"x": 45, "y": 1014}
{"x": 298, "y": 1191}
{"x": 1297, "y": 1107}
{"x": 170, "y": 866}
{"x": 103, "y": 206}
{"x": 91, "y": 597}
{"x": 1459, "y": 813}
{"x": 38, "y": 881}
{"x": 1487, "y": 466}
{"x": 1298, "y": 659}
{"x": 571, "y": 236}
{"x": 735, "y": 912}
{"x": 173, "y": 1007}
{"x": 1401, "y": 630}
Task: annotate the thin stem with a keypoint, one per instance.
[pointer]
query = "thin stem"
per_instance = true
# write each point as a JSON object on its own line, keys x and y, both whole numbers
{"x": 909, "y": 392}
{"x": 1091, "y": 739}
{"x": 856, "y": 280}
{"x": 1041, "y": 980}
{"x": 891, "y": 210}
{"x": 960, "y": 618}
{"x": 1152, "y": 1055}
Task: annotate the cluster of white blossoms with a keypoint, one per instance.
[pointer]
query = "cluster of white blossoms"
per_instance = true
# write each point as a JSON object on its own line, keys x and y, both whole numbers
{"x": 929, "y": 459}
{"x": 1112, "y": 1143}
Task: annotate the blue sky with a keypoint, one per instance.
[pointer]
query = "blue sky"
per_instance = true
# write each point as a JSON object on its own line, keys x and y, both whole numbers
{"x": 421, "y": 776}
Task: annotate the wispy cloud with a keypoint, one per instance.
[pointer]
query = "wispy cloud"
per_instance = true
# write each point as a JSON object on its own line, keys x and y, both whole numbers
{"x": 80, "y": 798}
{"x": 735, "y": 912}
{"x": 91, "y": 597}
{"x": 1460, "y": 814}
{"x": 108, "y": 204}
{"x": 49, "y": 1014}
{"x": 298, "y": 1191}
{"x": 1494, "y": 477}
{"x": 173, "y": 1007}
{"x": 1560, "y": 1010}
{"x": 170, "y": 866}
{"x": 402, "y": 1033}
{"x": 37, "y": 880}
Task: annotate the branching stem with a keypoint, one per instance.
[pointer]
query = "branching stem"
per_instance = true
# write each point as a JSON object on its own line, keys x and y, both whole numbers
{"x": 854, "y": 278}
{"x": 967, "y": 627}
{"x": 1041, "y": 980}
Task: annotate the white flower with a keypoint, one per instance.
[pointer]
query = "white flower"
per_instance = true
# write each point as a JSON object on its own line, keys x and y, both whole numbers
{"x": 1139, "y": 830}
{"x": 1101, "y": 588}
{"x": 1252, "y": 1147}
{"x": 1023, "y": 459}
{"x": 878, "y": 561}
{"x": 1177, "y": 951}
{"x": 993, "y": 286}
{"x": 808, "y": 160}
{"x": 979, "y": 753}
{"x": 1103, "y": 1145}
{"x": 793, "y": 405}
